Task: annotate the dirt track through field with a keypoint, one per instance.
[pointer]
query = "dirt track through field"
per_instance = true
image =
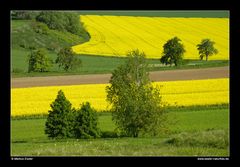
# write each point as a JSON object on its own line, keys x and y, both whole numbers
{"x": 172, "y": 75}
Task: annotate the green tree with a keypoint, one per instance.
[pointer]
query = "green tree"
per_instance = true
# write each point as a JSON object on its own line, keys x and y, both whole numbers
{"x": 206, "y": 48}
{"x": 60, "y": 118}
{"x": 63, "y": 21}
{"x": 86, "y": 122}
{"x": 54, "y": 20}
{"x": 38, "y": 61}
{"x": 67, "y": 59}
{"x": 40, "y": 28}
{"x": 136, "y": 104}
{"x": 74, "y": 25}
{"x": 173, "y": 52}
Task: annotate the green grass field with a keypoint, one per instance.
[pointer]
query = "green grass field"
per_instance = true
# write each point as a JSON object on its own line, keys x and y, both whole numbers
{"x": 191, "y": 133}
{"x": 161, "y": 13}
{"x": 98, "y": 65}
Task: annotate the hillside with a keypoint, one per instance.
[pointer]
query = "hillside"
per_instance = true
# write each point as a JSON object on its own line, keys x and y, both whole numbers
{"x": 29, "y": 33}
{"x": 25, "y": 33}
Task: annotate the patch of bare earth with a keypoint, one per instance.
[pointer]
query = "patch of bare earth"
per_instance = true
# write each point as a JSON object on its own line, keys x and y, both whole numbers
{"x": 172, "y": 75}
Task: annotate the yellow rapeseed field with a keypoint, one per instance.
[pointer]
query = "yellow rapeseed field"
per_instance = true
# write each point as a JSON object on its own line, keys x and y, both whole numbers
{"x": 116, "y": 35}
{"x": 37, "y": 100}
{"x": 195, "y": 92}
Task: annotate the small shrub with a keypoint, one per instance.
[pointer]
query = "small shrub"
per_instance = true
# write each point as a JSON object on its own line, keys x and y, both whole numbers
{"x": 109, "y": 134}
{"x": 210, "y": 138}
{"x": 17, "y": 70}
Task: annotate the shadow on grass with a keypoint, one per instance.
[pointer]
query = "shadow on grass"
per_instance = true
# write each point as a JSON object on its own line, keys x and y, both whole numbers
{"x": 19, "y": 141}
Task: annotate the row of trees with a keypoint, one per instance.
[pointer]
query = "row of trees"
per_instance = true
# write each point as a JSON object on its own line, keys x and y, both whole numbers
{"x": 173, "y": 51}
{"x": 136, "y": 106}
{"x": 38, "y": 61}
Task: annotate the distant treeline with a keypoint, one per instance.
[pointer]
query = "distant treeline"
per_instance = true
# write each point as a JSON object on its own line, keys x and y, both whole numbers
{"x": 62, "y": 21}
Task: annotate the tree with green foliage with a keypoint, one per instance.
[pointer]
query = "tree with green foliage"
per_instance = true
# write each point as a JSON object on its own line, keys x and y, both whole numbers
{"x": 74, "y": 25}
{"x": 173, "y": 52}
{"x": 63, "y": 21}
{"x": 86, "y": 126}
{"x": 40, "y": 28}
{"x": 38, "y": 61}
{"x": 206, "y": 48}
{"x": 54, "y": 20}
{"x": 136, "y": 104}
{"x": 59, "y": 120}
{"x": 67, "y": 59}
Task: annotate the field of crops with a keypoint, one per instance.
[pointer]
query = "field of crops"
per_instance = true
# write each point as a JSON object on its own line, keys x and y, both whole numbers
{"x": 37, "y": 100}
{"x": 197, "y": 109}
{"x": 116, "y": 35}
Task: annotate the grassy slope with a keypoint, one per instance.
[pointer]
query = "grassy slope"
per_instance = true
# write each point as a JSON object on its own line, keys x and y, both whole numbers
{"x": 23, "y": 36}
{"x": 28, "y": 137}
{"x": 22, "y": 33}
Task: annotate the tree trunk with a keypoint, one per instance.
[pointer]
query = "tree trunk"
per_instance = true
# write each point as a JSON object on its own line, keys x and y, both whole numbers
{"x": 206, "y": 57}
{"x": 135, "y": 134}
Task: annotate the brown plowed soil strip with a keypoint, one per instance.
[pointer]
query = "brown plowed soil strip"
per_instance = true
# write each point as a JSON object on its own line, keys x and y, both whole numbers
{"x": 172, "y": 75}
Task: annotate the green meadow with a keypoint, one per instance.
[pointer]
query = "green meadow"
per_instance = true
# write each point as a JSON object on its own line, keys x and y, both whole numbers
{"x": 191, "y": 132}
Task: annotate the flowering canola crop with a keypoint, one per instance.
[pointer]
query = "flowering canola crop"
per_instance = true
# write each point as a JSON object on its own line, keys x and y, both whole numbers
{"x": 195, "y": 92}
{"x": 117, "y": 35}
{"x": 37, "y": 100}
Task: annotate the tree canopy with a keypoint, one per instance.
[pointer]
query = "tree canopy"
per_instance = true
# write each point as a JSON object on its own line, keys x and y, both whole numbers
{"x": 63, "y": 121}
{"x": 173, "y": 52}
{"x": 67, "y": 59}
{"x": 206, "y": 48}
{"x": 38, "y": 61}
{"x": 62, "y": 21}
{"x": 58, "y": 124}
{"x": 86, "y": 122}
{"x": 136, "y": 104}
